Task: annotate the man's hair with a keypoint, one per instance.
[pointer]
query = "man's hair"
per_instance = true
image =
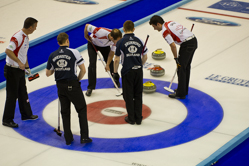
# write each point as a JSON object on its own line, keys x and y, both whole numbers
{"x": 116, "y": 33}
{"x": 62, "y": 37}
{"x": 156, "y": 19}
{"x": 29, "y": 22}
{"x": 128, "y": 25}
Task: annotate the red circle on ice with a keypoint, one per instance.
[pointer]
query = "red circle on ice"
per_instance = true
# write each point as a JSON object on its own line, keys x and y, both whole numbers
{"x": 111, "y": 112}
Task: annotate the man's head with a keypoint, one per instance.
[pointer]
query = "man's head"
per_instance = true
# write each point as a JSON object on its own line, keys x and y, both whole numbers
{"x": 62, "y": 39}
{"x": 115, "y": 35}
{"x": 156, "y": 22}
{"x": 30, "y": 25}
{"x": 128, "y": 26}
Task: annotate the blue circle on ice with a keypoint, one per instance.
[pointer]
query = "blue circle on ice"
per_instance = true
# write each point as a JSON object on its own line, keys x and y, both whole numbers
{"x": 204, "y": 115}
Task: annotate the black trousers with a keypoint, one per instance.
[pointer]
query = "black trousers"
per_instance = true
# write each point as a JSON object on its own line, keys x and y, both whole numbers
{"x": 132, "y": 85}
{"x": 15, "y": 89}
{"x": 74, "y": 95}
{"x": 92, "y": 63}
{"x": 186, "y": 53}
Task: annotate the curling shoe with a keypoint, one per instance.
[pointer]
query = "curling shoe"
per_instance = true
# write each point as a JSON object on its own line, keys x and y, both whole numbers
{"x": 10, "y": 124}
{"x": 32, "y": 117}
{"x": 89, "y": 92}
{"x": 138, "y": 122}
{"x": 86, "y": 140}
{"x": 70, "y": 142}
{"x": 128, "y": 120}
{"x": 173, "y": 95}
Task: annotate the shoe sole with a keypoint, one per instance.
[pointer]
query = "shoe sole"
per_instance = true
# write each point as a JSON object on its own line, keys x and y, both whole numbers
{"x": 86, "y": 142}
{"x": 10, "y": 126}
{"x": 130, "y": 123}
{"x": 176, "y": 97}
{"x": 28, "y": 119}
{"x": 87, "y": 94}
{"x": 70, "y": 142}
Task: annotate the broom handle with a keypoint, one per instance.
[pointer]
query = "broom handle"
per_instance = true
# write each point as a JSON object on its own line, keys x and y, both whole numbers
{"x": 59, "y": 108}
{"x": 145, "y": 44}
{"x": 109, "y": 73}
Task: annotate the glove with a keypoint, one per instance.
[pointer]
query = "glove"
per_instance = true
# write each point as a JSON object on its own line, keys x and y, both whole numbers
{"x": 116, "y": 79}
{"x": 27, "y": 71}
{"x": 177, "y": 63}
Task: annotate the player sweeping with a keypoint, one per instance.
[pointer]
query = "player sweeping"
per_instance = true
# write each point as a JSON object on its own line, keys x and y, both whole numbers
{"x": 175, "y": 33}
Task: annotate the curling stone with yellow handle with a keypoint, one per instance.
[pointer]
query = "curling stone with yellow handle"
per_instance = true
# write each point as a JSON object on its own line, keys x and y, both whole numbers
{"x": 158, "y": 54}
{"x": 149, "y": 87}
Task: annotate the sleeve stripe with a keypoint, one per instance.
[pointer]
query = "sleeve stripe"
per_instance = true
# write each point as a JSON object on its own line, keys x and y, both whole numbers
{"x": 80, "y": 60}
{"x": 13, "y": 39}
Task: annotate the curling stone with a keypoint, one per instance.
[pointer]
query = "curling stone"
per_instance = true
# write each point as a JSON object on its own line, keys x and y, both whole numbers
{"x": 157, "y": 71}
{"x": 158, "y": 54}
{"x": 149, "y": 87}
